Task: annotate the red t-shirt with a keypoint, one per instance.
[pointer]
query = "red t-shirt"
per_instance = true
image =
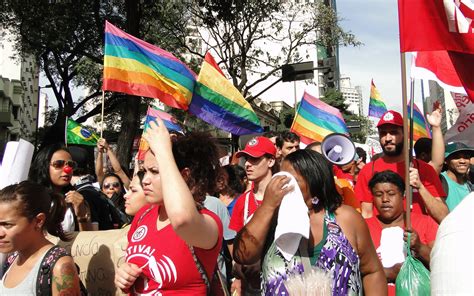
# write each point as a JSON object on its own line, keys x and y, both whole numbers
{"x": 422, "y": 224}
{"x": 428, "y": 178}
{"x": 167, "y": 263}
{"x": 237, "y": 219}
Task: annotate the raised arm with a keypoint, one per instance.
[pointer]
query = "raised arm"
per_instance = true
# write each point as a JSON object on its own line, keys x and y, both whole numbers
{"x": 437, "y": 146}
{"x": 99, "y": 161}
{"x": 196, "y": 229}
{"x": 436, "y": 206}
{"x": 249, "y": 242}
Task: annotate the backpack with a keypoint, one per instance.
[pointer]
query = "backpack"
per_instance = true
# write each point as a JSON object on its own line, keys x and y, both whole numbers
{"x": 45, "y": 274}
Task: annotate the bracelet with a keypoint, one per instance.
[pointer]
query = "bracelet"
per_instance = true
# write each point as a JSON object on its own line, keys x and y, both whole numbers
{"x": 84, "y": 219}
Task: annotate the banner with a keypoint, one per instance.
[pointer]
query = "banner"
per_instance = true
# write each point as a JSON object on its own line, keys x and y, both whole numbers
{"x": 463, "y": 129}
{"x": 98, "y": 254}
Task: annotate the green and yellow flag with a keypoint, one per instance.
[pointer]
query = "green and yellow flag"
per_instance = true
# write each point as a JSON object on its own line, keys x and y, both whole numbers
{"x": 77, "y": 134}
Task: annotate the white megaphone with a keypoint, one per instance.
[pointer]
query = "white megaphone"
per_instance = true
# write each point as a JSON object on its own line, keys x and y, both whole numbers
{"x": 338, "y": 149}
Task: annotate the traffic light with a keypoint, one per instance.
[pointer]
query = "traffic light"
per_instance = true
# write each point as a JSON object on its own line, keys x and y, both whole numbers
{"x": 330, "y": 71}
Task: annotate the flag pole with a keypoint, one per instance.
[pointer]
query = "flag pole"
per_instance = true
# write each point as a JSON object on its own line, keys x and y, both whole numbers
{"x": 406, "y": 143}
{"x": 65, "y": 131}
{"x": 102, "y": 114}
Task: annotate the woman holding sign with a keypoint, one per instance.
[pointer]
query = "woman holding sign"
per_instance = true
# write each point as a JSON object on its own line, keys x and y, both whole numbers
{"x": 174, "y": 242}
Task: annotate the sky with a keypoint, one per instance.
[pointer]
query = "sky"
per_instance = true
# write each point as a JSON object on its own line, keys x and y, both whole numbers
{"x": 375, "y": 24}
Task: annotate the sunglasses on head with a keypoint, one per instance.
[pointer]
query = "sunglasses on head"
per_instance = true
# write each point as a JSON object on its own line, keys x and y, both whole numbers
{"x": 60, "y": 163}
{"x": 109, "y": 185}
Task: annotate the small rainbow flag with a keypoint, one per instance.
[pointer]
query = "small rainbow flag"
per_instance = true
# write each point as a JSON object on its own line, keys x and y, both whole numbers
{"x": 136, "y": 67}
{"x": 218, "y": 102}
{"x": 420, "y": 126}
{"x": 376, "y": 105}
{"x": 314, "y": 120}
{"x": 170, "y": 122}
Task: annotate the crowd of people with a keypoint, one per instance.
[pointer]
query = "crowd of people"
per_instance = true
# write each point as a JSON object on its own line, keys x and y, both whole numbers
{"x": 277, "y": 220}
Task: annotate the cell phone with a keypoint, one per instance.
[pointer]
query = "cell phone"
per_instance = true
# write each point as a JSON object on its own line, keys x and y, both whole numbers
{"x": 436, "y": 105}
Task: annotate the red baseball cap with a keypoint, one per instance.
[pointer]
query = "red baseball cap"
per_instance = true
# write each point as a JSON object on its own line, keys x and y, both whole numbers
{"x": 391, "y": 117}
{"x": 258, "y": 147}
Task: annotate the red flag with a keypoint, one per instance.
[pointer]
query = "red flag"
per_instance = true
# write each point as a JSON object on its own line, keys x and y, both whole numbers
{"x": 435, "y": 25}
{"x": 427, "y": 25}
{"x": 437, "y": 66}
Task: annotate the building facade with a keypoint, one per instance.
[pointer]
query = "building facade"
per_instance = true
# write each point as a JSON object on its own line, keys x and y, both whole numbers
{"x": 352, "y": 95}
{"x": 19, "y": 89}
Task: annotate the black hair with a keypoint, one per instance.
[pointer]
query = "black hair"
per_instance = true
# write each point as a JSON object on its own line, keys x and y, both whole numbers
{"x": 107, "y": 175}
{"x": 286, "y": 136}
{"x": 422, "y": 145}
{"x": 362, "y": 154}
{"x": 270, "y": 134}
{"x": 198, "y": 152}
{"x": 318, "y": 174}
{"x": 39, "y": 170}
{"x": 34, "y": 199}
{"x": 237, "y": 177}
{"x": 314, "y": 144}
{"x": 387, "y": 176}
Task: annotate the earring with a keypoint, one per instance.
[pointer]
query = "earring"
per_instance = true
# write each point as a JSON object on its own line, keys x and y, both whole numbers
{"x": 315, "y": 200}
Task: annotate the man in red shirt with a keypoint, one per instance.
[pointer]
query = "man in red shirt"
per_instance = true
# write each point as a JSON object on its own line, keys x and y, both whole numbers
{"x": 259, "y": 156}
{"x": 428, "y": 194}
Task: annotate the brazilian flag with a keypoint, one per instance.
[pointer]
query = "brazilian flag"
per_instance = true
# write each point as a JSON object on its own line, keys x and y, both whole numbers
{"x": 77, "y": 134}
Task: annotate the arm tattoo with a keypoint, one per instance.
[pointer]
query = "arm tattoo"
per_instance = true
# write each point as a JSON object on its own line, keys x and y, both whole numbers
{"x": 65, "y": 282}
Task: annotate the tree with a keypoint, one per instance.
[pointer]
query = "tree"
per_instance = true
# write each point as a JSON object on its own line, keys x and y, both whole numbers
{"x": 66, "y": 37}
{"x": 241, "y": 34}
{"x": 336, "y": 99}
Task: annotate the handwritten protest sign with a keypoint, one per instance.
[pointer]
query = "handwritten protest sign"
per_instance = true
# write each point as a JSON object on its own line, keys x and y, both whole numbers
{"x": 98, "y": 254}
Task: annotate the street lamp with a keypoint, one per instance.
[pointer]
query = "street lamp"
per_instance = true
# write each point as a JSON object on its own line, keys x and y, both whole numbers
{"x": 37, "y": 114}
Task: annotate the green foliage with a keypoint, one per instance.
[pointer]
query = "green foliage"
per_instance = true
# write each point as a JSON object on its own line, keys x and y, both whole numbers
{"x": 335, "y": 99}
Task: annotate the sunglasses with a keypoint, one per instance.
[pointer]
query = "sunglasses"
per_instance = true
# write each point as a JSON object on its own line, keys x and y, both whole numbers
{"x": 60, "y": 163}
{"x": 114, "y": 185}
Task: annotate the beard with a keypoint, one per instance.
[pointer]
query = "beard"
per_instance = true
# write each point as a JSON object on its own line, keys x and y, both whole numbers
{"x": 398, "y": 150}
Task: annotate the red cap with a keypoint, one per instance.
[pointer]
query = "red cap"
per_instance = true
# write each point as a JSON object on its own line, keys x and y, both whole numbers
{"x": 391, "y": 117}
{"x": 258, "y": 147}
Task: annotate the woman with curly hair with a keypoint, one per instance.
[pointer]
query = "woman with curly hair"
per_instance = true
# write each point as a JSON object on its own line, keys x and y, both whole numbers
{"x": 338, "y": 245}
{"x": 173, "y": 243}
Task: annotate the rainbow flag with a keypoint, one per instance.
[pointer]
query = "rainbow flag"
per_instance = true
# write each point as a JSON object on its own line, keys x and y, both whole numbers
{"x": 138, "y": 68}
{"x": 218, "y": 102}
{"x": 314, "y": 120}
{"x": 170, "y": 122}
{"x": 420, "y": 126}
{"x": 376, "y": 105}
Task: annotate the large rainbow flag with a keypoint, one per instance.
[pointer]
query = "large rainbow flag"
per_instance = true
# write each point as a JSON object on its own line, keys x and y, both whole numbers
{"x": 314, "y": 120}
{"x": 136, "y": 67}
{"x": 376, "y": 105}
{"x": 420, "y": 126}
{"x": 218, "y": 102}
{"x": 170, "y": 122}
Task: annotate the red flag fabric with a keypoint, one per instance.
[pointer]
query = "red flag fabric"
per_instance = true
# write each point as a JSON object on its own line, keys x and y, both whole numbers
{"x": 427, "y": 25}
{"x": 435, "y": 25}
{"x": 437, "y": 66}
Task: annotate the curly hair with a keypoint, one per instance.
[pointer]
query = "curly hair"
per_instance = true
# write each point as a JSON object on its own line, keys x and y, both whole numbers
{"x": 39, "y": 170}
{"x": 317, "y": 172}
{"x": 33, "y": 199}
{"x": 387, "y": 176}
{"x": 198, "y": 152}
